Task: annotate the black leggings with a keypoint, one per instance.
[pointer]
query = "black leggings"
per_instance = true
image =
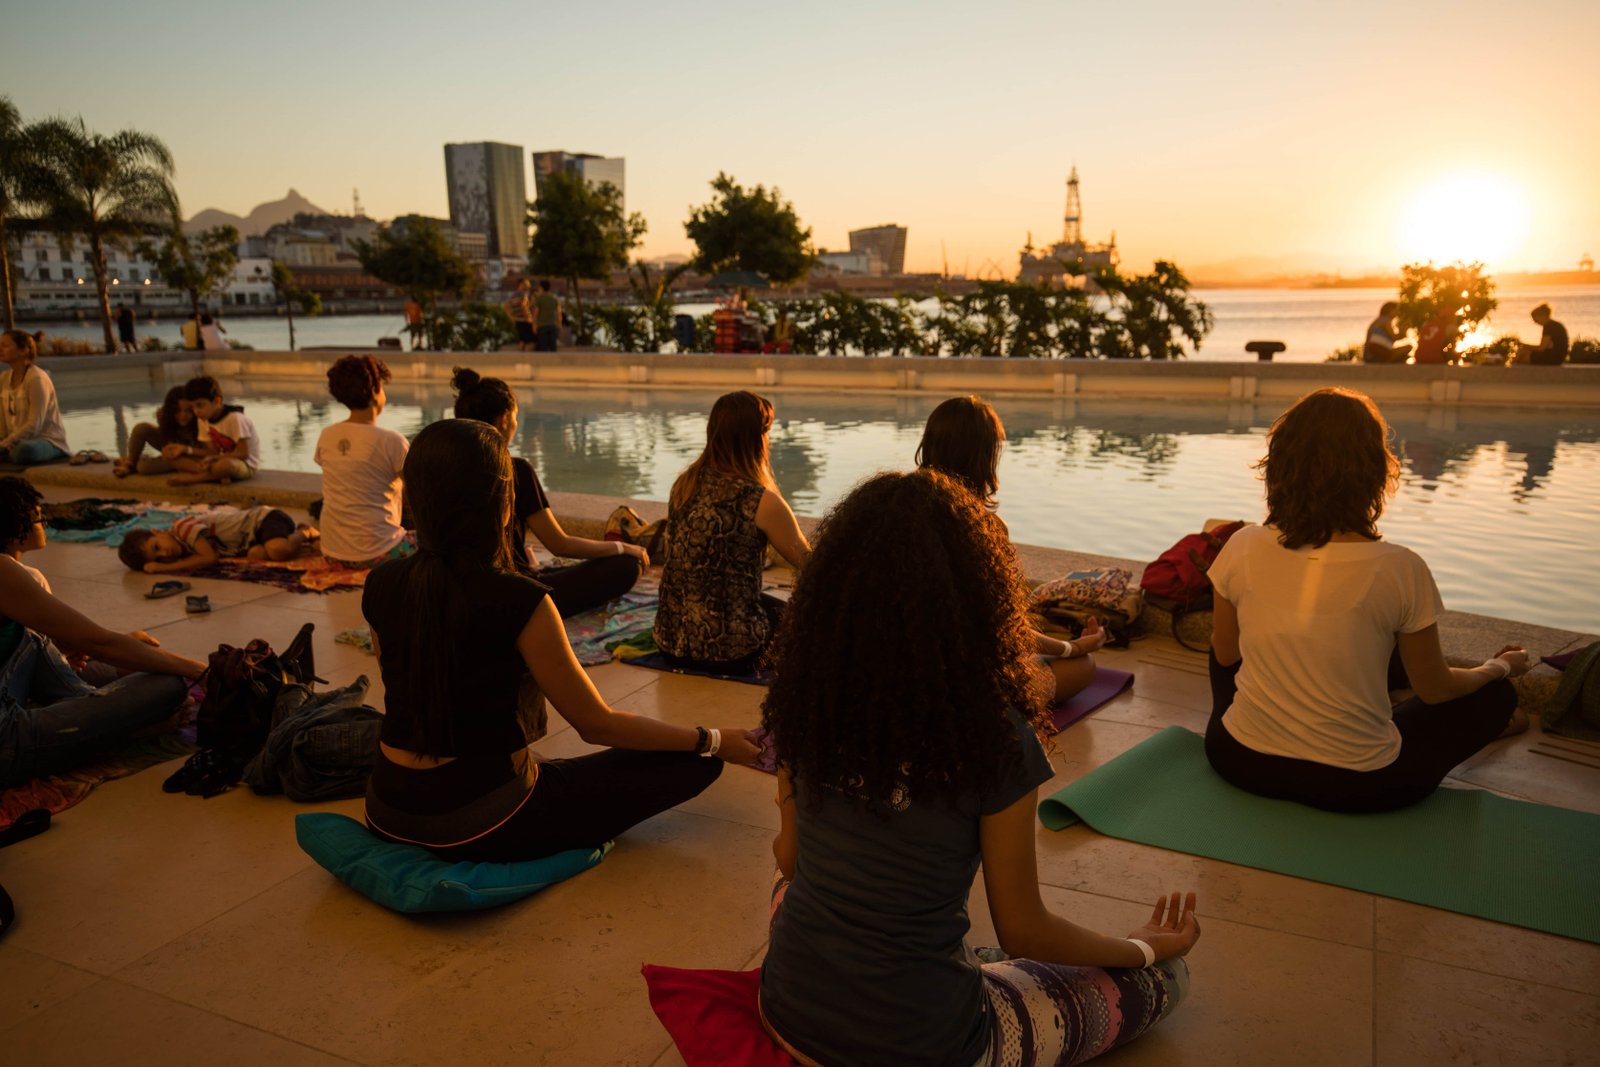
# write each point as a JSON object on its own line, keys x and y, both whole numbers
{"x": 1434, "y": 738}
{"x": 586, "y": 801}
{"x": 582, "y": 586}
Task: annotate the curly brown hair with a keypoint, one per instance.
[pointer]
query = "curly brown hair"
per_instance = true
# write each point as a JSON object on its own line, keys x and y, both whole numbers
{"x": 903, "y": 647}
{"x": 1328, "y": 468}
{"x": 19, "y": 510}
{"x": 354, "y": 380}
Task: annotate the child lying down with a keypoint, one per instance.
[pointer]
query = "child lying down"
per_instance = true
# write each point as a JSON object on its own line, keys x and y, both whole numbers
{"x": 260, "y": 533}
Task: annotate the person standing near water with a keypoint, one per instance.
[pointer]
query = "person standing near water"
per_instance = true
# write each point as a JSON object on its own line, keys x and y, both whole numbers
{"x": 125, "y": 339}
{"x": 549, "y": 318}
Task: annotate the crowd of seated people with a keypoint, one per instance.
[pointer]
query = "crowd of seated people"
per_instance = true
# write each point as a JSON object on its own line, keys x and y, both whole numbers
{"x": 907, "y": 756}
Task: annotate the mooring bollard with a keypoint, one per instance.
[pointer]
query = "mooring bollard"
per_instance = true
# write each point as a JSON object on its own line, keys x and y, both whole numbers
{"x": 1265, "y": 350}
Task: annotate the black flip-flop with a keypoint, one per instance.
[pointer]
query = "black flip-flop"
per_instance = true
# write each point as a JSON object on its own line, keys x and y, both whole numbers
{"x": 29, "y": 824}
{"x": 197, "y": 605}
{"x": 171, "y": 587}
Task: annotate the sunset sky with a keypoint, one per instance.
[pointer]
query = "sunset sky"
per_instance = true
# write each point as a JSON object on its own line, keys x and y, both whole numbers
{"x": 1297, "y": 136}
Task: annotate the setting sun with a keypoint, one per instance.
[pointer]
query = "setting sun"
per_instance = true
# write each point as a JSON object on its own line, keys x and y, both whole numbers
{"x": 1472, "y": 217}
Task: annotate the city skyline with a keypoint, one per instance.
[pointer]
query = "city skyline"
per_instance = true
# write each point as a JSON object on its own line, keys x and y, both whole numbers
{"x": 1312, "y": 139}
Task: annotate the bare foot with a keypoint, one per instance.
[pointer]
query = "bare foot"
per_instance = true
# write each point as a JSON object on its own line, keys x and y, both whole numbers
{"x": 308, "y": 531}
{"x": 1518, "y": 723}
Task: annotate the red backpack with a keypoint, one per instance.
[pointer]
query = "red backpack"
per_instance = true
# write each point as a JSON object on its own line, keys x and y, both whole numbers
{"x": 1178, "y": 579}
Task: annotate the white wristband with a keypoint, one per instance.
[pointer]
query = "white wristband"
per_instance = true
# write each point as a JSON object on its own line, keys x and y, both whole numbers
{"x": 1504, "y": 667}
{"x": 716, "y": 742}
{"x": 1149, "y": 953}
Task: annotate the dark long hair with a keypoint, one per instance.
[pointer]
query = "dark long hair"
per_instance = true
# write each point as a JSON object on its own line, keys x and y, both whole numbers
{"x": 173, "y": 431}
{"x": 458, "y": 488}
{"x": 963, "y": 439}
{"x": 866, "y": 701}
{"x": 27, "y": 344}
{"x": 736, "y": 444}
{"x": 1328, "y": 468}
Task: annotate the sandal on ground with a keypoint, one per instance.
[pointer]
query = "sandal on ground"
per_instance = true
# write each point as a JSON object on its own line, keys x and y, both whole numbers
{"x": 79, "y": 459}
{"x": 171, "y": 587}
{"x": 97, "y": 456}
{"x": 197, "y": 605}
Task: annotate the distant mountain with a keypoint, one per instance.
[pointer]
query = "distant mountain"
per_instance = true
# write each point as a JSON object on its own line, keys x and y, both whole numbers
{"x": 258, "y": 221}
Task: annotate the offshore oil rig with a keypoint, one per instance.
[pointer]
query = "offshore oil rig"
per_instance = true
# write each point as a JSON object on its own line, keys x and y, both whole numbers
{"x": 1051, "y": 265}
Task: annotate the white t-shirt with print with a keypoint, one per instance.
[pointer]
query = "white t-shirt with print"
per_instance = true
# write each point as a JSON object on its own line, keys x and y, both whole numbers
{"x": 1316, "y": 629}
{"x": 228, "y": 431}
{"x": 361, "y": 487}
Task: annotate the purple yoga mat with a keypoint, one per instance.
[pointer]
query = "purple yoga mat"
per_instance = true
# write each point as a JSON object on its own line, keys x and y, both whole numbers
{"x": 1105, "y": 684}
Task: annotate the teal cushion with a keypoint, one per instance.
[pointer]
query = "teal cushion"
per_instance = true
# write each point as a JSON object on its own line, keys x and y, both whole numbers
{"x": 411, "y": 879}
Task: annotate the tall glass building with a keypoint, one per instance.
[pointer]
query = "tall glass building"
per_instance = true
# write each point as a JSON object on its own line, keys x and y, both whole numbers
{"x": 592, "y": 169}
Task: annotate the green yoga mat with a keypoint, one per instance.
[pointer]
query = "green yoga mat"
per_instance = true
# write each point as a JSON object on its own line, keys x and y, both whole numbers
{"x": 1463, "y": 850}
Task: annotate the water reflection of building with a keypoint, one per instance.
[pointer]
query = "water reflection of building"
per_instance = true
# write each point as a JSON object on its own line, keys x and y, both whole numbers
{"x": 1051, "y": 265}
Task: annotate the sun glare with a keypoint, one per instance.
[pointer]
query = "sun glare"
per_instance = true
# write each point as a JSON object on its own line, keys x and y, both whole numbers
{"x": 1466, "y": 217}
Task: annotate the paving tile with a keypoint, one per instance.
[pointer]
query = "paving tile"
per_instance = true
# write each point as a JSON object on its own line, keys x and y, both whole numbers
{"x": 122, "y": 606}
{"x": 131, "y": 868}
{"x": 1134, "y": 708}
{"x": 115, "y": 1023}
{"x": 31, "y": 983}
{"x": 554, "y": 979}
{"x": 1480, "y": 945}
{"x": 1513, "y": 767}
{"x": 1431, "y": 1013}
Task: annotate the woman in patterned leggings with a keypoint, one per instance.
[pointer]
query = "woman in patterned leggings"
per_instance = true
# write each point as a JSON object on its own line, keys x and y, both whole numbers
{"x": 902, "y": 715}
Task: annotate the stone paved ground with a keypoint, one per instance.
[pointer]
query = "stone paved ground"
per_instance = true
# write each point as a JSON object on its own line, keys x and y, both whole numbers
{"x": 169, "y": 930}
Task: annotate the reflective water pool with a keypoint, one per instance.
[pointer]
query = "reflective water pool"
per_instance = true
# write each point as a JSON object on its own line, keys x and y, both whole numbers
{"x": 1504, "y": 505}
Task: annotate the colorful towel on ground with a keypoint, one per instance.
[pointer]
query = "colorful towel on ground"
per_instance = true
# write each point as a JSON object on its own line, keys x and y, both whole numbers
{"x": 624, "y": 621}
{"x": 642, "y": 652}
{"x": 308, "y": 574}
{"x": 58, "y": 792}
{"x": 97, "y": 519}
{"x": 1463, "y": 850}
{"x": 1105, "y": 684}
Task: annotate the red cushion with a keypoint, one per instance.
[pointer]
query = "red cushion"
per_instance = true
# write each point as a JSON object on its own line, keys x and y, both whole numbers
{"x": 712, "y": 1017}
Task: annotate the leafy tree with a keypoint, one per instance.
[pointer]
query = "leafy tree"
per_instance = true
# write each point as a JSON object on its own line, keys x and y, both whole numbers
{"x": 580, "y": 231}
{"x": 197, "y": 264}
{"x": 1154, "y": 312}
{"x": 14, "y": 162}
{"x": 654, "y": 295}
{"x": 290, "y": 294}
{"x": 418, "y": 260}
{"x": 103, "y": 188}
{"x": 1462, "y": 288}
{"x": 476, "y": 327}
{"x": 749, "y": 229}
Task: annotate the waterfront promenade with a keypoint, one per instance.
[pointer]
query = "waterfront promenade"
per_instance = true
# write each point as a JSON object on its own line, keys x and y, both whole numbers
{"x": 166, "y": 929}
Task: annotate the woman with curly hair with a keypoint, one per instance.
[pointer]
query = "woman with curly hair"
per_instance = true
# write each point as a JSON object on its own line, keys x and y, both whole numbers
{"x": 50, "y": 718}
{"x": 606, "y": 569}
{"x": 1310, "y": 610}
{"x": 722, "y": 512}
{"x": 907, "y": 755}
{"x": 361, "y": 464}
{"x": 174, "y": 428}
{"x": 963, "y": 439}
{"x": 457, "y": 629}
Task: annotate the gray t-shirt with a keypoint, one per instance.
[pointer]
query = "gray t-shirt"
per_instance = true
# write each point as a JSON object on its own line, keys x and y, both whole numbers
{"x": 868, "y": 962}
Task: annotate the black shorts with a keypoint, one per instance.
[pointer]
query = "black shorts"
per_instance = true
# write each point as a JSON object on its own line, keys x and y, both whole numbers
{"x": 525, "y": 332}
{"x": 275, "y": 524}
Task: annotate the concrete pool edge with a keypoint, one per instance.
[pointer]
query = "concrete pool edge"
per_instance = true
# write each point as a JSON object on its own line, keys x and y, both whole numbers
{"x": 1565, "y": 386}
{"x": 1468, "y": 638}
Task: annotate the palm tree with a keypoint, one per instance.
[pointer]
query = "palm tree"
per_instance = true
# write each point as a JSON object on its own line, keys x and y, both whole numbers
{"x": 105, "y": 188}
{"x": 13, "y": 160}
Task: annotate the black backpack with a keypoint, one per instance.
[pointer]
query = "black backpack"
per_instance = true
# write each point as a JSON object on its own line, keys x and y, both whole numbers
{"x": 241, "y": 690}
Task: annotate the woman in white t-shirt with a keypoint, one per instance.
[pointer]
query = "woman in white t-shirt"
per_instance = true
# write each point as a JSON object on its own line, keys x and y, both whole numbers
{"x": 361, "y": 464}
{"x": 1311, "y": 609}
{"x": 30, "y": 418}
